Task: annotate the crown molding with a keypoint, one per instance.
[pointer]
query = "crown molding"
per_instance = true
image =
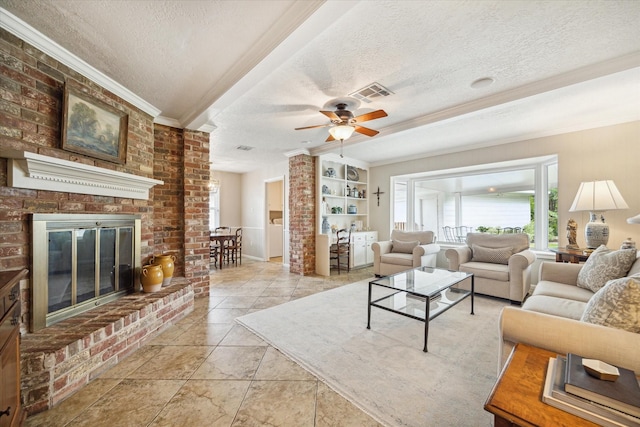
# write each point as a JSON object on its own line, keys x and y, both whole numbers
{"x": 168, "y": 121}
{"x": 24, "y": 31}
{"x": 298, "y": 152}
{"x": 37, "y": 172}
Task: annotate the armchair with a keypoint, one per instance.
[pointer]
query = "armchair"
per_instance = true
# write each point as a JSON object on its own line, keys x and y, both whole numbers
{"x": 405, "y": 250}
{"x": 500, "y": 263}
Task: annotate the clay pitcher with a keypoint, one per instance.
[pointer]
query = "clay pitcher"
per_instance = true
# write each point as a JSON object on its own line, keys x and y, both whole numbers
{"x": 151, "y": 278}
{"x": 167, "y": 261}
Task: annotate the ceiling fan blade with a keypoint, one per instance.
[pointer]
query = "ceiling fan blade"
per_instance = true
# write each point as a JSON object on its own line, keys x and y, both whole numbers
{"x": 330, "y": 138}
{"x": 313, "y": 127}
{"x": 366, "y": 131}
{"x": 332, "y": 116}
{"x": 370, "y": 116}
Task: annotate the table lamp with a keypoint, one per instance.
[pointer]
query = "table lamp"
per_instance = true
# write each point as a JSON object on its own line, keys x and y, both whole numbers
{"x": 597, "y": 197}
{"x": 634, "y": 219}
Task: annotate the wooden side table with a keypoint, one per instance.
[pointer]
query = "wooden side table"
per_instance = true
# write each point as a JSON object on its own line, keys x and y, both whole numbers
{"x": 516, "y": 398}
{"x": 570, "y": 255}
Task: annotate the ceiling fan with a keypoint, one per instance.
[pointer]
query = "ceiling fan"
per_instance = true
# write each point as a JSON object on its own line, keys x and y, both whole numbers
{"x": 343, "y": 123}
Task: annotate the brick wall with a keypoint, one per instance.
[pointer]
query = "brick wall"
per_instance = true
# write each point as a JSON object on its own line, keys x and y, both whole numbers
{"x": 168, "y": 199}
{"x": 302, "y": 211}
{"x": 31, "y": 96}
{"x": 174, "y": 219}
{"x": 196, "y": 210}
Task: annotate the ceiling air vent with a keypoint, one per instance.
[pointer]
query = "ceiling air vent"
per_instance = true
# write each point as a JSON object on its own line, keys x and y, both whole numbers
{"x": 244, "y": 148}
{"x": 370, "y": 92}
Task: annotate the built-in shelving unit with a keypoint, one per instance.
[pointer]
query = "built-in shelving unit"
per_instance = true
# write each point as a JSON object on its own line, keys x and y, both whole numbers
{"x": 343, "y": 192}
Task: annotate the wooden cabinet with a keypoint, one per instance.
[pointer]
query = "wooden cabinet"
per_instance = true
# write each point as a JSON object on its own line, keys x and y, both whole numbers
{"x": 10, "y": 407}
{"x": 361, "y": 252}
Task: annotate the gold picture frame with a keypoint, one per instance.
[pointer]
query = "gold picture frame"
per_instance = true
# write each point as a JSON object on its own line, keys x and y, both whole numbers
{"x": 93, "y": 128}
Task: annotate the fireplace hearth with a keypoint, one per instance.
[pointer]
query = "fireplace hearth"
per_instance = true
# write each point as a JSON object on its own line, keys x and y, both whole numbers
{"x": 81, "y": 261}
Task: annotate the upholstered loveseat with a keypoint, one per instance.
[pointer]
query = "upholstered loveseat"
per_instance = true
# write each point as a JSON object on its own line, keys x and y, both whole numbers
{"x": 564, "y": 317}
{"x": 405, "y": 250}
{"x": 500, "y": 263}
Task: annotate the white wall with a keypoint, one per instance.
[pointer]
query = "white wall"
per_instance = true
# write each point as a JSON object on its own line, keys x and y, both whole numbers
{"x": 230, "y": 203}
{"x": 254, "y": 215}
{"x": 611, "y": 152}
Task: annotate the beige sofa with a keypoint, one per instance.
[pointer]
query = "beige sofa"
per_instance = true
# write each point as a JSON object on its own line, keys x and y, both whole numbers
{"x": 412, "y": 249}
{"x": 500, "y": 263}
{"x": 550, "y": 319}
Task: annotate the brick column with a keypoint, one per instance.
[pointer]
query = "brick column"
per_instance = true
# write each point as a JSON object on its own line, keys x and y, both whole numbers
{"x": 302, "y": 214}
{"x": 196, "y": 210}
{"x": 181, "y": 215}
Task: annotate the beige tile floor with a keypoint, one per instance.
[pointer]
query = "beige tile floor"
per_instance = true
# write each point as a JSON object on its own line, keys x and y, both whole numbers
{"x": 209, "y": 371}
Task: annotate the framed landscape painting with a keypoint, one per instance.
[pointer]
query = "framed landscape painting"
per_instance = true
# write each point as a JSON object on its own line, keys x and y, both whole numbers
{"x": 93, "y": 128}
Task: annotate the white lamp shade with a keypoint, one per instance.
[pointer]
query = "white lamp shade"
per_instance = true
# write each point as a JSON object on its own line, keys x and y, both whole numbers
{"x": 341, "y": 132}
{"x": 634, "y": 219}
{"x": 598, "y": 196}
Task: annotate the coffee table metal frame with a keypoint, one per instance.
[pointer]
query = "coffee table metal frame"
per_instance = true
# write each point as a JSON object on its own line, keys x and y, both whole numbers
{"x": 426, "y": 284}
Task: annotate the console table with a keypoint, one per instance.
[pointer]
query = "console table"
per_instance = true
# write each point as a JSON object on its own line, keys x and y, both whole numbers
{"x": 570, "y": 255}
{"x": 516, "y": 397}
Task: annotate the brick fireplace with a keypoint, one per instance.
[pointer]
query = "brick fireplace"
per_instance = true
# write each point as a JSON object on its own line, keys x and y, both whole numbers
{"x": 173, "y": 218}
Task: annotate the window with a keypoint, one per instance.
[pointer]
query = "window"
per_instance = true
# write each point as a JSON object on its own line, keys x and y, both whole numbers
{"x": 495, "y": 198}
{"x": 214, "y": 205}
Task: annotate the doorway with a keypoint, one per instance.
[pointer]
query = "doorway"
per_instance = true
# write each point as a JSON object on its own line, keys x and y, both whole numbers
{"x": 274, "y": 191}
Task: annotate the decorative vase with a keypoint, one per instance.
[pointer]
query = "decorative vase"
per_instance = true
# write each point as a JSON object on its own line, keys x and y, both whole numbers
{"x": 167, "y": 261}
{"x": 151, "y": 278}
{"x": 628, "y": 244}
{"x": 325, "y": 225}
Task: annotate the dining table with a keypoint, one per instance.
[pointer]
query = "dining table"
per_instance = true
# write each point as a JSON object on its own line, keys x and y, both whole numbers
{"x": 221, "y": 238}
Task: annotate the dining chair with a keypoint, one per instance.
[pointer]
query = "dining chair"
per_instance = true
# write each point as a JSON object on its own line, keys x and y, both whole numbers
{"x": 340, "y": 252}
{"x": 449, "y": 233}
{"x": 223, "y": 247}
{"x": 234, "y": 248}
{"x": 214, "y": 253}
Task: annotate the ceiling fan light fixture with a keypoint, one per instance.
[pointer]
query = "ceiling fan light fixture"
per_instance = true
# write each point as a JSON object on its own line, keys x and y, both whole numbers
{"x": 341, "y": 132}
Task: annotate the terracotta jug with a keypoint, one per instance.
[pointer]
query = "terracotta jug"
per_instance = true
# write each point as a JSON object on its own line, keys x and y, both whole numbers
{"x": 167, "y": 262}
{"x": 151, "y": 278}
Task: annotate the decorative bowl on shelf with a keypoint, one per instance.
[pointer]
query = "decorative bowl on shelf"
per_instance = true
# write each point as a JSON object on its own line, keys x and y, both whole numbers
{"x": 352, "y": 173}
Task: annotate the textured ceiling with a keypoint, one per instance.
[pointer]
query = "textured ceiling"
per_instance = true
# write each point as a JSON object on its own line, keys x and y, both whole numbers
{"x": 258, "y": 69}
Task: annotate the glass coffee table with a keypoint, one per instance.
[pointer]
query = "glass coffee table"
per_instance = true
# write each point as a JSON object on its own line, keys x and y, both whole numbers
{"x": 422, "y": 293}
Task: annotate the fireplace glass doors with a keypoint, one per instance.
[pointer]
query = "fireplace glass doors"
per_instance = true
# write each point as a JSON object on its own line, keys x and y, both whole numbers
{"x": 80, "y": 262}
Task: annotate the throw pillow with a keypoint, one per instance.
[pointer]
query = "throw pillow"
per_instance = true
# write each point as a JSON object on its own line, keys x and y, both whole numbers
{"x": 400, "y": 247}
{"x": 492, "y": 255}
{"x": 604, "y": 265}
{"x": 616, "y": 305}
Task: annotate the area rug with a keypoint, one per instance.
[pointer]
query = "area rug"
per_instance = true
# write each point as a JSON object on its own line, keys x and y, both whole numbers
{"x": 383, "y": 370}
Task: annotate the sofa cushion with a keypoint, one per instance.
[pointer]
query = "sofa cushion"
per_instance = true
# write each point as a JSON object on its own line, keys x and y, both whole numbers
{"x": 424, "y": 237}
{"x": 562, "y": 290}
{"x": 517, "y": 241}
{"x": 616, "y": 305}
{"x": 604, "y": 265}
{"x": 495, "y": 256}
{"x": 560, "y": 307}
{"x": 635, "y": 268}
{"x": 401, "y": 247}
{"x": 397, "y": 259}
{"x": 498, "y": 272}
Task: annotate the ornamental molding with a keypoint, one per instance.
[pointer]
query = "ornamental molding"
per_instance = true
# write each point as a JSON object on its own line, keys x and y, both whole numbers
{"x": 37, "y": 172}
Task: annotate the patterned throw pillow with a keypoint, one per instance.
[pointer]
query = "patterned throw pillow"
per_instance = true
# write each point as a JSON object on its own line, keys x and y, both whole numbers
{"x": 492, "y": 255}
{"x": 398, "y": 246}
{"x": 616, "y": 305}
{"x": 604, "y": 265}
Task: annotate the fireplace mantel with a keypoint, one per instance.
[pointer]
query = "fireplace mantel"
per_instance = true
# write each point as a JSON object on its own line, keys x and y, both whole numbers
{"x": 38, "y": 172}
